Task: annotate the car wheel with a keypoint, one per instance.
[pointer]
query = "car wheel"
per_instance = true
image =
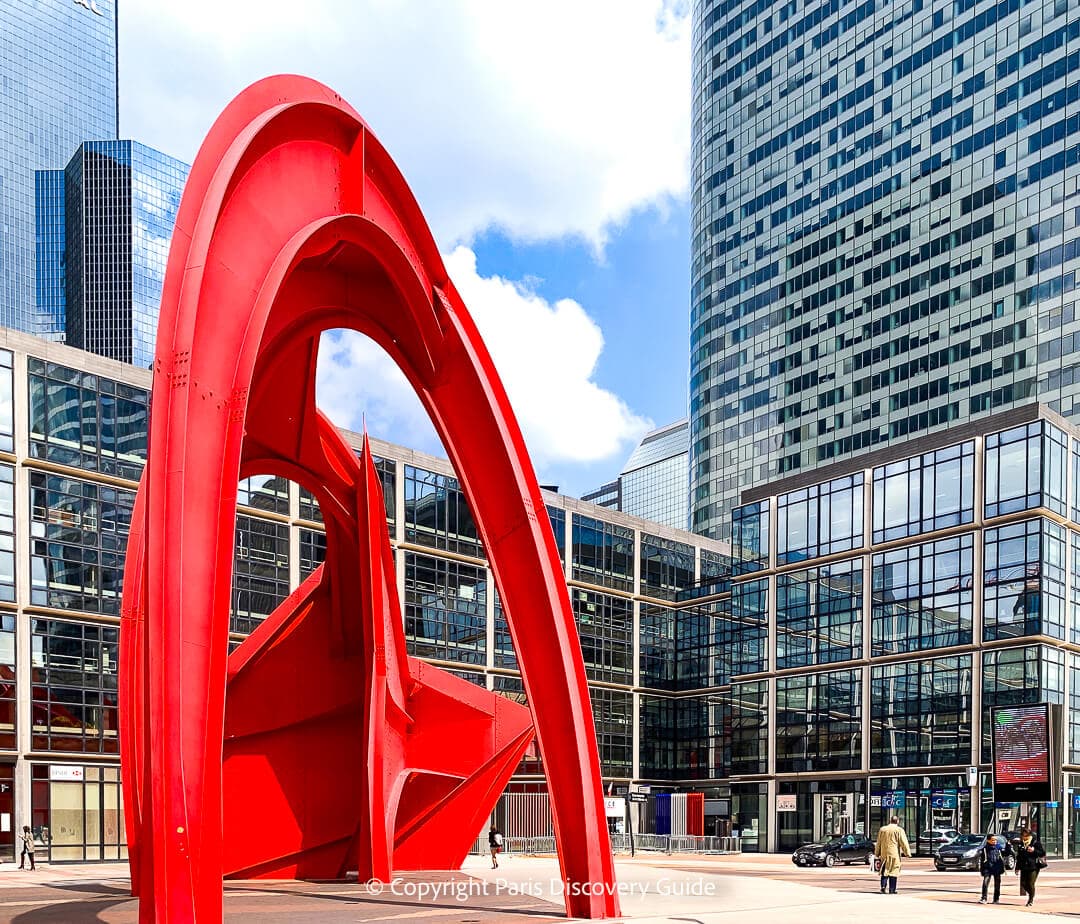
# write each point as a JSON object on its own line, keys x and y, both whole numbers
{"x": 830, "y": 861}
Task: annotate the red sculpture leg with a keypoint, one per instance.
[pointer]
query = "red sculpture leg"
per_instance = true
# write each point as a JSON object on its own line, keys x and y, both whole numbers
{"x": 294, "y": 221}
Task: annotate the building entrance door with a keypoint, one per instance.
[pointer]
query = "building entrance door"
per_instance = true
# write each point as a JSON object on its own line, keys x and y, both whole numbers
{"x": 7, "y": 813}
{"x": 833, "y": 814}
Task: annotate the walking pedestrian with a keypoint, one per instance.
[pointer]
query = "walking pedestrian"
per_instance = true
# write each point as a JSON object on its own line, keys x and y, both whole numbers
{"x": 892, "y": 844}
{"x": 992, "y": 866}
{"x": 27, "y": 838}
{"x": 1030, "y": 858}
{"x": 495, "y": 844}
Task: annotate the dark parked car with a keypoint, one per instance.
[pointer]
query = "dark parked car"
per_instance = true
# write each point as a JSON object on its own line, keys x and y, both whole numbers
{"x": 966, "y": 853}
{"x": 844, "y": 848}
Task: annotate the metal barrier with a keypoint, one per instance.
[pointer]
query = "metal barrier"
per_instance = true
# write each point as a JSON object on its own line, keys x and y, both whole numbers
{"x": 652, "y": 842}
{"x": 690, "y": 844}
{"x": 620, "y": 843}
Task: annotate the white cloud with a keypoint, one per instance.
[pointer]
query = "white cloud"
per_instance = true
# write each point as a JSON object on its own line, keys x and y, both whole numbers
{"x": 359, "y": 383}
{"x": 546, "y": 119}
{"x": 546, "y": 355}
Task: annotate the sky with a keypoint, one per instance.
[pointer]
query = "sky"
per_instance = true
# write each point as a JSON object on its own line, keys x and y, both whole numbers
{"x": 547, "y": 142}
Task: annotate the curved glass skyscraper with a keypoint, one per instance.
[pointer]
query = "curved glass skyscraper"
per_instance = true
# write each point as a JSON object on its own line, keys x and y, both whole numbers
{"x": 885, "y": 234}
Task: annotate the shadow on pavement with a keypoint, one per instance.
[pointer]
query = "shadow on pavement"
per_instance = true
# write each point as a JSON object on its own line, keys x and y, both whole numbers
{"x": 549, "y": 912}
{"x": 84, "y": 911}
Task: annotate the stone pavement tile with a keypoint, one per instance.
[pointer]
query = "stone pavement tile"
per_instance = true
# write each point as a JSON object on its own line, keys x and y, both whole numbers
{"x": 528, "y": 891}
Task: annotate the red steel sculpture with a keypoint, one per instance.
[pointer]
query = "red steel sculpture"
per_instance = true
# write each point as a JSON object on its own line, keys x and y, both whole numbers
{"x": 319, "y": 746}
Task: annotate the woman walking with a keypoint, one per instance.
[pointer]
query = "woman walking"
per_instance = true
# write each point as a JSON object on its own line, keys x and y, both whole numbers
{"x": 27, "y": 838}
{"x": 1030, "y": 858}
{"x": 495, "y": 845}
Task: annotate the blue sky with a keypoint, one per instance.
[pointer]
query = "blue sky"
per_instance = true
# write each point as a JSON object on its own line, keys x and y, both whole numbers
{"x": 638, "y": 294}
{"x": 547, "y": 143}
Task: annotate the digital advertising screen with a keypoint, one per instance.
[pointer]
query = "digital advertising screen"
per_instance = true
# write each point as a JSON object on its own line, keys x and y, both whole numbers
{"x": 1021, "y": 746}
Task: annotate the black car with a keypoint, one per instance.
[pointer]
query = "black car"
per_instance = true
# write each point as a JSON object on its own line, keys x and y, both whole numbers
{"x": 966, "y": 853}
{"x": 844, "y": 848}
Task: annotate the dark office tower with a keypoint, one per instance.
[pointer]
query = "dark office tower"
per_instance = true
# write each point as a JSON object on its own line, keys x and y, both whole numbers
{"x": 104, "y": 227}
{"x": 884, "y": 227}
{"x": 58, "y": 83}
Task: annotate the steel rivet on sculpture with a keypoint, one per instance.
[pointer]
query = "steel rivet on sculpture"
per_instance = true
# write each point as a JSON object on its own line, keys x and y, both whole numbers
{"x": 319, "y": 746}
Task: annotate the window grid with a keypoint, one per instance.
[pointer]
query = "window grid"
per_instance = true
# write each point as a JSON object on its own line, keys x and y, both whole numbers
{"x": 667, "y": 567}
{"x": 437, "y": 514}
{"x": 818, "y": 722}
{"x": 819, "y": 615}
{"x": 445, "y": 609}
{"x": 260, "y": 573}
{"x": 78, "y": 535}
{"x": 603, "y": 553}
{"x": 605, "y": 627}
{"x": 613, "y": 713}
{"x": 920, "y": 713}
{"x": 87, "y": 421}
{"x": 820, "y": 520}
{"x": 922, "y": 596}
{"x": 1024, "y": 580}
{"x": 750, "y": 537}
{"x": 73, "y": 672}
{"x": 1017, "y": 677}
{"x": 1025, "y": 468}
{"x": 7, "y": 681}
{"x": 918, "y": 495}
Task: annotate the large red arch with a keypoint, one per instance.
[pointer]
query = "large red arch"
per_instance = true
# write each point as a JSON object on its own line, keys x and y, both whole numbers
{"x": 294, "y": 221}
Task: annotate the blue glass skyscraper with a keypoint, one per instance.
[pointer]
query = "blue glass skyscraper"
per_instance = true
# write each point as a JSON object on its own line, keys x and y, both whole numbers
{"x": 59, "y": 87}
{"x": 885, "y": 227}
{"x": 104, "y": 227}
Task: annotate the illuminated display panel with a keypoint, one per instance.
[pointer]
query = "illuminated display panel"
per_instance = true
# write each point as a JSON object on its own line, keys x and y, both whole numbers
{"x": 1021, "y": 742}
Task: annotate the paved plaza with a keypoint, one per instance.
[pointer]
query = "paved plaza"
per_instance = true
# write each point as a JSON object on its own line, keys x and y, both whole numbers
{"x": 654, "y": 889}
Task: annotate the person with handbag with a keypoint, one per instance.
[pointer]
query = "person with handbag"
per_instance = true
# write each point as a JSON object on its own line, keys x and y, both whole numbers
{"x": 27, "y": 838}
{"x": 992, "y": 866}
{"x": 892, "y": 844}
{"x": 1030, "y": 859}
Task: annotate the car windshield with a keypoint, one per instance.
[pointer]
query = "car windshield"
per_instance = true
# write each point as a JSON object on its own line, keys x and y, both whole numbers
{"x": 969, "y": 840}
{"x": 837, "y": 839}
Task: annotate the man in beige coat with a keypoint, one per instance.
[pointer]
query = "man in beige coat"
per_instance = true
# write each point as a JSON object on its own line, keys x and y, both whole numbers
{"x": 892, "y": 844}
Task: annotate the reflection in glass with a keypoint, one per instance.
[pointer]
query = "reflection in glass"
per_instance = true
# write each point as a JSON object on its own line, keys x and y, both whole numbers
{"x": 819, "y": 614}
{"x": 1024, "y": 580}
{"x": 918, "y": 495}
{"x": 921, "y": 713}
{"x": 922, "y": 596}
{"x": 1025, "y": 468}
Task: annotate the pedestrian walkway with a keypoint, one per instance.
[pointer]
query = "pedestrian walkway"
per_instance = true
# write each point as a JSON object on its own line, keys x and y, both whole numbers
{"x": 653, "y": 890}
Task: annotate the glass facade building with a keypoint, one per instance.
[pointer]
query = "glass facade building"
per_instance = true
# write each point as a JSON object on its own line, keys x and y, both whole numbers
{"x": 104, "y": 226}
{"x": 654, "y": 483}
{"x": 73, "y": 441}
{"x": 885, "y": 233}
{"x": 59, "y": 82}
{"x": 847, "y": 661}
{"x": 894, "y": 599}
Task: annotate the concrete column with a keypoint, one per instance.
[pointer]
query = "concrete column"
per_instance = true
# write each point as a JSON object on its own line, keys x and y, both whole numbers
{"x": 489, "y": 622}
{"x": 635, "y": 768}
{"x": 772, "y": 823}
{"x": 294, "y": 536}
{"x": 978, "y": 564}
